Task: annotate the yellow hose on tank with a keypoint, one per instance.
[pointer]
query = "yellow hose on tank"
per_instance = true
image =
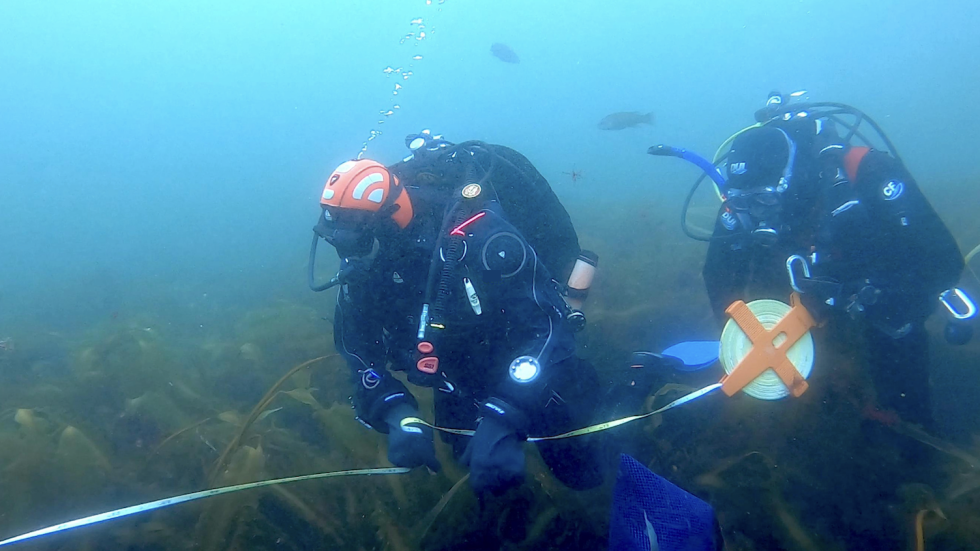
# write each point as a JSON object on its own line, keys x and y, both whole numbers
{"x": 966, "y": 260}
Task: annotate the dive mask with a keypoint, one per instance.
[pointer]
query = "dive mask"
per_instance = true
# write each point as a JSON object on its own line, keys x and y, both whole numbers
{"x": 760, "y": 168}
{"x": 758, "y": 202}
{"x": 757, "y": 211}
{"x": 348, "y": 232}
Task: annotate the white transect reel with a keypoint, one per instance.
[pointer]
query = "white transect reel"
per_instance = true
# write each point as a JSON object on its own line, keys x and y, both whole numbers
{"x": 735, "y": 345}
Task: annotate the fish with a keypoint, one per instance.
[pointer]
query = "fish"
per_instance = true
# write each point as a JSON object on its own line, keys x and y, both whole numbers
{"x": 651, "y": 534}
{"x": 504, "y": 53}
{"x": 625, "y": 119}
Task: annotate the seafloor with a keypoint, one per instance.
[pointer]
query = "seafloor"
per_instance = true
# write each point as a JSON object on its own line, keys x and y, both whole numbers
{"x": 132, "y": 410}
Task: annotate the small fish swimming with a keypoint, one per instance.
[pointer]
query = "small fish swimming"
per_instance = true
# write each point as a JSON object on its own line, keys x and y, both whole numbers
{"x": 651, "y": 534}
{"x": 504, "y": 53}
{"x": 625, "y": 119}
{"x": 574, "y": 174}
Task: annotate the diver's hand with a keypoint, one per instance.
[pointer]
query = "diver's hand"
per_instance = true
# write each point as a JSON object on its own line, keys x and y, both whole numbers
{"x": 495, "y": 455}
{"x": 409, "y": 446}
{"x": 821, "y": 295}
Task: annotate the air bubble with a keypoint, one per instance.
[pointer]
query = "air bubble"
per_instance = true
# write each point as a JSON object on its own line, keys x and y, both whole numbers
{"x": 418, "y": 34}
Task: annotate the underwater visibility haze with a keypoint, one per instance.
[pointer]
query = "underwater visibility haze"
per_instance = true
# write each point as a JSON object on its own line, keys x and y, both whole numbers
{"x": 161, "y": 168}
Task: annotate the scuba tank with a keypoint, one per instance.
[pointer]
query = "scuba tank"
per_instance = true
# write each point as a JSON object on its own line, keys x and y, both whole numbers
{"x": 577, "y": 288}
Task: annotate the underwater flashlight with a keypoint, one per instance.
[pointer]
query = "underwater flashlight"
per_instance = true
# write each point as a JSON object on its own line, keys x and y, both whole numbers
{"x": 525, "y": 369}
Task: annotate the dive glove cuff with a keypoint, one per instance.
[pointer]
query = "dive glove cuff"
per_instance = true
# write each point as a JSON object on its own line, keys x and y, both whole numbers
{"x": 506, "y": 414}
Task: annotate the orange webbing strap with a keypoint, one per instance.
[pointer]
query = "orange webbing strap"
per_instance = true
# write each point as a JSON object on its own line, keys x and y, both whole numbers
{"x": 764, "y": 354}
{"x": 852, "y": 161}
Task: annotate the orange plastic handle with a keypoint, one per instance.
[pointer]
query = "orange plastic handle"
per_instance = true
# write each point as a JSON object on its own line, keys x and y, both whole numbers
{"x": 764, "y": 354}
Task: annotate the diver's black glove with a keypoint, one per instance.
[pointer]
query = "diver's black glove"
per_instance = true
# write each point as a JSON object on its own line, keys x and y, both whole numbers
{"x": 410, "y": 446}
{"x": 821, "y": 295}
{"x": 495, "y": 454}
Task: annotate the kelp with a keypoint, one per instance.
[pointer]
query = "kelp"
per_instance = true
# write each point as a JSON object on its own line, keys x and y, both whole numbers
{"x": 760, "y": 477}
{"x": 963, "y": 483}
{"x": 351, "y": 443}
{"x": 175, "y": 435}
{"x": 219, "y": 526}
{"x": 126, "y": 363}
{"x": 31, "y": 424}
{"x": 78, "y": 450}
{"x": 284, "y": 330}
{"x": 326, "y": 524}
{"x": 919, "y": 502}
{"x": 949, "y": 449}
{"x": 426, "y": 523}
{"x": 713, "y": 478}
{"x": 132, "y": 412}
{"x": 257, "y": 410}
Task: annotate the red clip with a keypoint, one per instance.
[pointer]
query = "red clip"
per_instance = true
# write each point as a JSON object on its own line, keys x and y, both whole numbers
{"x": 428, "y": 364}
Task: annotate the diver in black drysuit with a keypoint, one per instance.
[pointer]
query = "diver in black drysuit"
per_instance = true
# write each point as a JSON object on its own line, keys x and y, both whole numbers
{"x": 878, "y": 253}
{"x": 498, "y": 304}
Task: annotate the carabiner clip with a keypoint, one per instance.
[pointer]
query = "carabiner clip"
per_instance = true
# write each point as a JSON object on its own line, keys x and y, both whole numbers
{"x": 964, "y": 300}
{"x": 792, "y": 275}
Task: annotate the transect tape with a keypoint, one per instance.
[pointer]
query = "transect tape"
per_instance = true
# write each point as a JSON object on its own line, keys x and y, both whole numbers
{"x": 167, "y": 502}
{"x": 585, "y": 430}
{"x": 766, "y": 349}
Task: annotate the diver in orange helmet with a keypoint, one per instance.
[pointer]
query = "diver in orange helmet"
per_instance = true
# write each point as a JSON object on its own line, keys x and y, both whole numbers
{"x": 450, "y": 270}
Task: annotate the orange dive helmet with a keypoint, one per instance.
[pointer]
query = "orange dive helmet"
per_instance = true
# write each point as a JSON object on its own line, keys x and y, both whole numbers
{"x": 367, "y": 186}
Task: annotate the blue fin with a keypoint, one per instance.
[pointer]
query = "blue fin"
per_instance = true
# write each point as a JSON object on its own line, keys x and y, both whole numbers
{"x": 648, "y": 510}
{"x": 693, "y": 355}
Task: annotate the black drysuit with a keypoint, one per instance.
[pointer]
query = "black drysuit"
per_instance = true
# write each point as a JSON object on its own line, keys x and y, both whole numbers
{"x": 879, "y": 230}
{"x": 521, "y": 311}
